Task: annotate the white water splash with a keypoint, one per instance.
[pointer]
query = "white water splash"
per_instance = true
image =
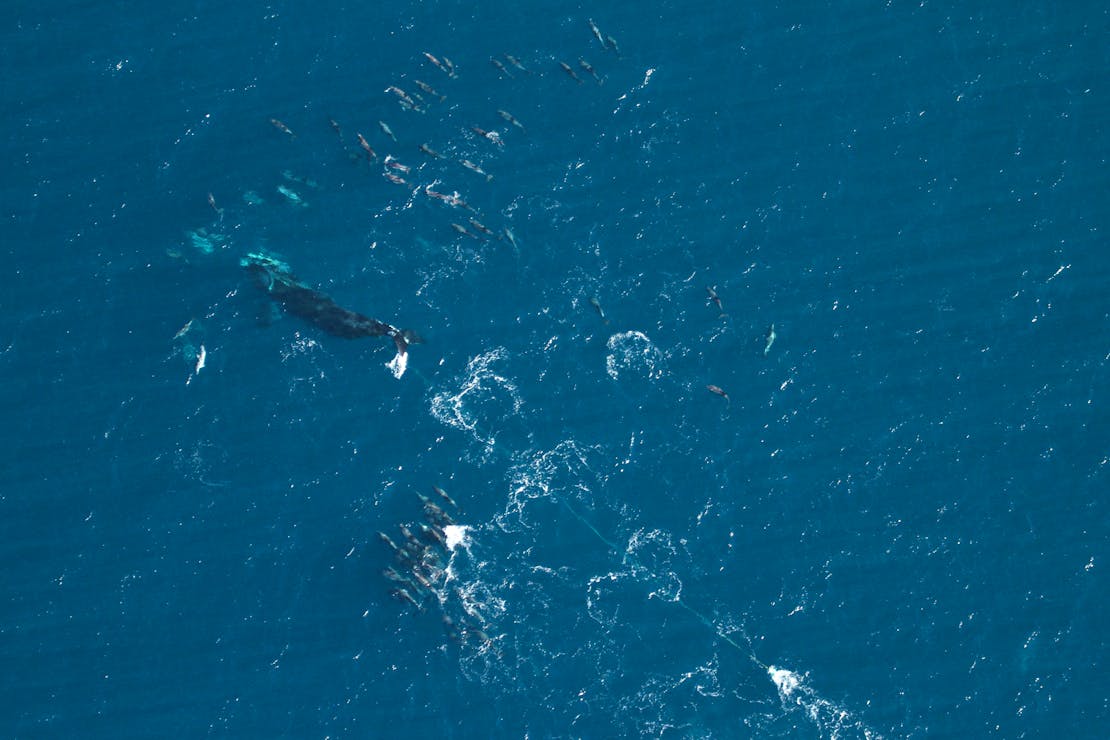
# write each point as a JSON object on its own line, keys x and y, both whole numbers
{"x": 832, "y": 720}
{"x": 635, "y": 89}
{"x": 455, "y": 534}
{"x": 398, "y": 364}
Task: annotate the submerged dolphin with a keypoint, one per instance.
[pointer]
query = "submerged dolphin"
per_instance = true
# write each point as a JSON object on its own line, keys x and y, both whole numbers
{"x": 275, "y": 277}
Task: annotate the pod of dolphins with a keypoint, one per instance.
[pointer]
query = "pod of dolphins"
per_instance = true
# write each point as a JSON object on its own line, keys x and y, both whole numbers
{"x": 418, "y": 573}
{"x": 301, "y": 300}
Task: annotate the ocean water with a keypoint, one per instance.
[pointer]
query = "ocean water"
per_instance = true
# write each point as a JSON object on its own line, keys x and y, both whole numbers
{"x": 894, "y": 526}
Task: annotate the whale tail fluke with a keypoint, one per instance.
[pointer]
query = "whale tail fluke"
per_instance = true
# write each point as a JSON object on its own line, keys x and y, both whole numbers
{"x": 403, "y": 338}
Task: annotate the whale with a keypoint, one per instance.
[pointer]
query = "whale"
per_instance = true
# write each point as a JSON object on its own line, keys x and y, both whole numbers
{"x": 299, "y": 299}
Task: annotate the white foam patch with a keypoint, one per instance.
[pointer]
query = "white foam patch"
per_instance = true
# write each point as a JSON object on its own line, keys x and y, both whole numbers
{"x": 202, "y": 355}
{"x": 786, "y": 682}
{"x": 832, "y": 720}
{"x": 455, "y": 535}
{"x": 398, "y": 364}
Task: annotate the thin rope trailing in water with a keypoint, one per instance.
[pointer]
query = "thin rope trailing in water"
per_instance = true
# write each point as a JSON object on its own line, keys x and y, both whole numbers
{"x": 809, "y": 702}
{"x": 589, "y": 525}
{"x": 627, "y": 558}
{"x": 722, "y": 634}
{"x": 793, "y": 693}
{"x": 701, "y": 617}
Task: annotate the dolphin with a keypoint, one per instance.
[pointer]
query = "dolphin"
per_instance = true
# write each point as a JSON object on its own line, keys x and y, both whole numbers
{"x": 430, "y": 90}
{"x": 569, "y": 71}
{"x": 443, "y": 495}
{"x": 720, "y": 392}
{"x": 392, "y": 545}
{"x": 434, "y": 535}
{"x": 437, "y": 516}
{"x": 769, "y": 339}
{"x": 597, "y": 306}
{"x": 405, "y": 597}
{"x": 712, "y": 291}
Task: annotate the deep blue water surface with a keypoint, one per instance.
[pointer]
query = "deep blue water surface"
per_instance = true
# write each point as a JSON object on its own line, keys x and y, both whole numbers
{"x": 895, "y": 526}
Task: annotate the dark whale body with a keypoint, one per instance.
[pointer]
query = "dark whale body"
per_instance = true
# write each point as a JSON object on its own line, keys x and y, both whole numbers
{"x": 316, "y": 307}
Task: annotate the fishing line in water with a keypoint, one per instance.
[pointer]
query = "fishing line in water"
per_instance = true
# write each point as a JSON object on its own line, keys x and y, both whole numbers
{"x": 792, "y": 690}
{"x": 474, "y": 368}
{"x": 466, "y": 409}
{"x": 628, "y": 558}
